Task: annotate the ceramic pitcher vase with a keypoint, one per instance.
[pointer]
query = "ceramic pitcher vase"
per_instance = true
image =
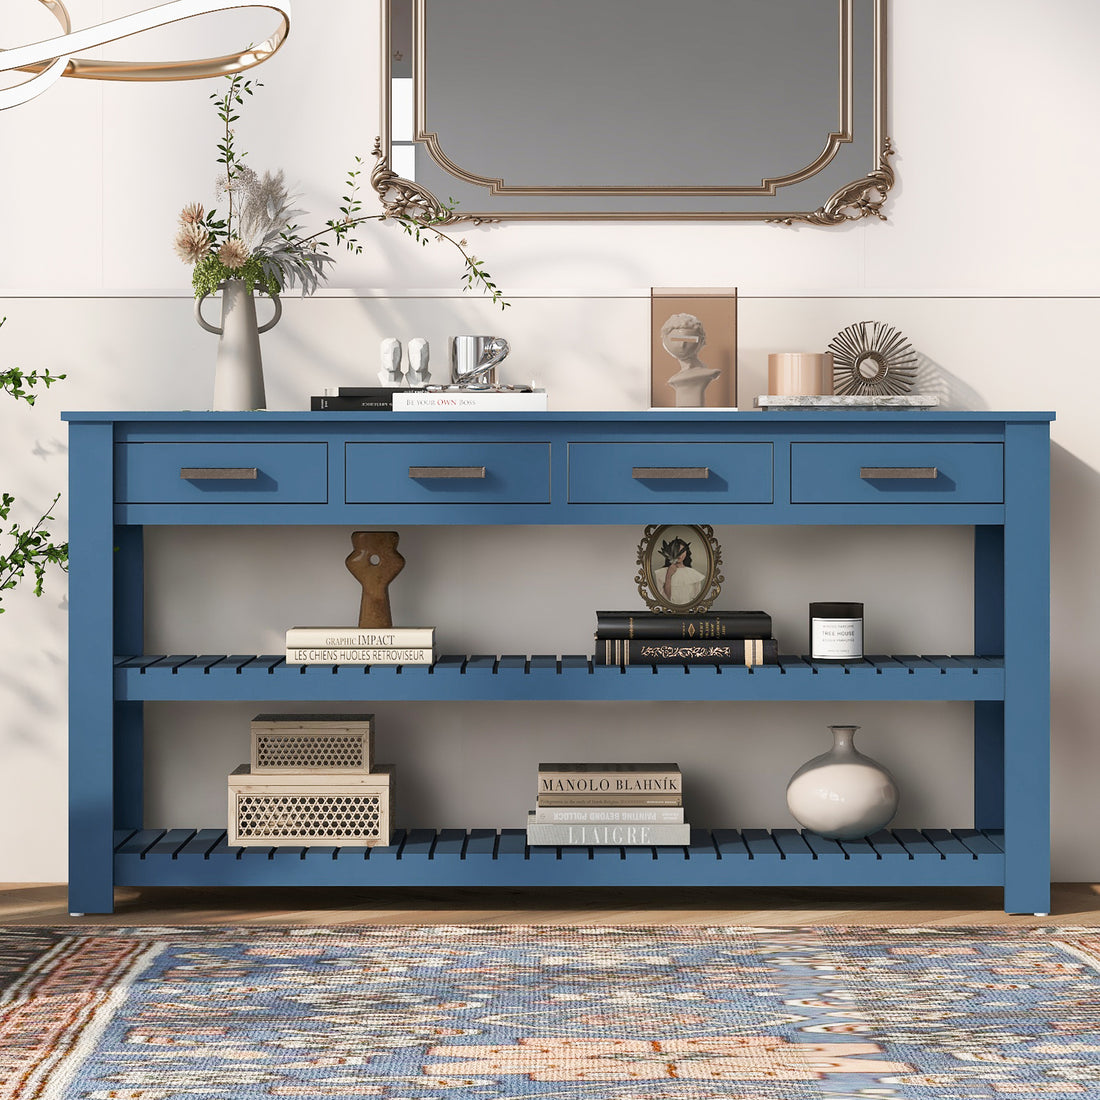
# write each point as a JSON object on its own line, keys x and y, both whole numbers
{"x": 238, "y": 369}
{"x": 842, "y": 794}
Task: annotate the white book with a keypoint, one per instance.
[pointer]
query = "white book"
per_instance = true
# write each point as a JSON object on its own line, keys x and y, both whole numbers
{"x": 606, "y": 815}
{"x": 354, "y": 637}
{"x": 612, "y": 835}
{"x": 374, "y": 655}
{"x": 470, "y": 401}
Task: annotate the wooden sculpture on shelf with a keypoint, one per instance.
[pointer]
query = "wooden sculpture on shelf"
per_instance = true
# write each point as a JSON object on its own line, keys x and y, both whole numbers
{"x": 374, "y": 563}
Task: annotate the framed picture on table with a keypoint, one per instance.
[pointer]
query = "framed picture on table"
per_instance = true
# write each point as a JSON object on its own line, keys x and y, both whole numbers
{"x": 679, "y": 567}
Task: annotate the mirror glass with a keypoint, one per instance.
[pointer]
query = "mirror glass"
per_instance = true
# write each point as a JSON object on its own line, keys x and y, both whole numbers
{"x": 755, "y": 109}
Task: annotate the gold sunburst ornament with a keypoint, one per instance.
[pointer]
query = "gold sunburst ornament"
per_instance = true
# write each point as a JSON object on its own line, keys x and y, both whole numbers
{"x": 53, "y": 58}
{"x": 872, "y": 359}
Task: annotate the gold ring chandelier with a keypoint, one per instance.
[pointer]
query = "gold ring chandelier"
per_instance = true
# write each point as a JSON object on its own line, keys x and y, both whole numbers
{"x": 53, "y": 58}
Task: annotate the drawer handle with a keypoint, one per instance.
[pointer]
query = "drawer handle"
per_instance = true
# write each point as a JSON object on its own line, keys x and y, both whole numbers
{"x": 907, "y": 473}
{"x": 219, "y": 473}
{"x": 648, "y": 473}
{"x": 446, "y": 471}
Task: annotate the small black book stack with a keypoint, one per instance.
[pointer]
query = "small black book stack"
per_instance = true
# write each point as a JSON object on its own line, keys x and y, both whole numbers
{"x": 708, "y": 638}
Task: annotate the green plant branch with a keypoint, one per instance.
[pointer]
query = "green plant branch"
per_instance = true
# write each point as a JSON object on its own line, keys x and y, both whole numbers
{"x": 32, "y": 548}
{"x": 475, "y": 274}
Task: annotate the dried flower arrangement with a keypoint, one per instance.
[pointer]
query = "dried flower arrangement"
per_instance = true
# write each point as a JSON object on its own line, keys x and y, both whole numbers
{"x": 258, "y": 241}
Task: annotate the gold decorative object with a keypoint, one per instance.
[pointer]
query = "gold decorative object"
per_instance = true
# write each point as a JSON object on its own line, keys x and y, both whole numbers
{"x": 374, "y": 563}
{"x": 872, "y": 359}
{"x": 679, "y": 567}
{"x": 53, "y": 58}
{"x": 402, "y": 198}
{"x": 861, "y": 198}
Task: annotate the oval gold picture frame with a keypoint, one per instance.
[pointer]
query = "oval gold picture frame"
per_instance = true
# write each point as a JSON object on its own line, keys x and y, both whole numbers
{"x": 692, "y": 553}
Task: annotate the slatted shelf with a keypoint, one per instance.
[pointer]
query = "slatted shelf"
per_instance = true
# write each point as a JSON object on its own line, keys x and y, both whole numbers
{"x": 548, "y": 676}
{"x": 486, "y": 857}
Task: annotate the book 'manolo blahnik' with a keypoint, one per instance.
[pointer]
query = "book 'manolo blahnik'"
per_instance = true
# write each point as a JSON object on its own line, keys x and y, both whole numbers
{"x": 709, "y": 624}
{"x": 609, "y": 835}
{"x": 733, "y": 651}
{"x": 373, "y": 655}
{"x": 610, "y": 779}
{"x": 353, "y": 637}
{"x": 617, "y": 785}
{"x": 607, "y": 815}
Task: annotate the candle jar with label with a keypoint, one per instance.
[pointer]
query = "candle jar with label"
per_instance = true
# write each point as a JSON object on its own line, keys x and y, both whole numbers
{"x": 836, "y": 631}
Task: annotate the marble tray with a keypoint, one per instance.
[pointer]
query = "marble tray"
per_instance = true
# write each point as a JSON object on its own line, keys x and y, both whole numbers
{"x": 892, "y": 401}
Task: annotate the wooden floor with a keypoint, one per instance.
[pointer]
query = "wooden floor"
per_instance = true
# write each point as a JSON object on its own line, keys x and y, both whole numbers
{"x": 1072, "y": 904}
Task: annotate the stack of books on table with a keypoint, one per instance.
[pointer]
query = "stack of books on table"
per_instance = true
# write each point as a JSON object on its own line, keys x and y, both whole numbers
{"x": 709, "y": 638}
{"x": 352, "y": 645}
{"x": 432, "y": 398}
{"x": 609, "y": 804}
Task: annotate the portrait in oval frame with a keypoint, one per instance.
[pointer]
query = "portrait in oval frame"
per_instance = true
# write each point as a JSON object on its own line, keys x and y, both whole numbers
{"x": 679, "y": 567}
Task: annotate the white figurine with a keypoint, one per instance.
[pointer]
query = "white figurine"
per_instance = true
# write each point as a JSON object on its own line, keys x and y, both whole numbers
{"x": 418, "y": 373}
{"x": 683, "y": 337}
{"x": 390, "y": 374}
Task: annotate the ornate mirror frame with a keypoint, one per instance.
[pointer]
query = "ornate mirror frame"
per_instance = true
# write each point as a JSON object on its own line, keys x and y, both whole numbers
{"x": 856, "y": 149}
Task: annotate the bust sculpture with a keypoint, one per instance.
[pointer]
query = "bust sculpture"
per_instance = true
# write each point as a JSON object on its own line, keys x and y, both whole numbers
{"x": 390, "y": 361}
{"x": 683, "y": 337}
{"x": 418, "y": 373}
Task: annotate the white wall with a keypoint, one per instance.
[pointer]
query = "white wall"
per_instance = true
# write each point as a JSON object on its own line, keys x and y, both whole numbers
{"x": 987, "y": 264}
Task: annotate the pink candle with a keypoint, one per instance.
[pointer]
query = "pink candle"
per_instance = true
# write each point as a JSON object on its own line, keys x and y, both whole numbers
{"x": 800, "y": 373}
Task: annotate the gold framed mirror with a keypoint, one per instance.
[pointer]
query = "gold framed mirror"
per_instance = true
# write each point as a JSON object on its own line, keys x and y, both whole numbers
{"x": 634, "y": 109}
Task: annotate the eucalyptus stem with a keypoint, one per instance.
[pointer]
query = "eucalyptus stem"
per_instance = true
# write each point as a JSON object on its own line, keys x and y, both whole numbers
{"x": 476, "y": 274}
{"x": 259, "y": 242}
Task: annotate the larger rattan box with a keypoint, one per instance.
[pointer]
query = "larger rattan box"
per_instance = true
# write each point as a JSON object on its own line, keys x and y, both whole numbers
{"x": 330, "y": 743}
{"x": 310, "y": 809}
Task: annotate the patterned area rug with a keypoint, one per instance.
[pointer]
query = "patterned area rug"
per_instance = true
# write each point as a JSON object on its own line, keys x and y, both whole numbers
{"x": 543, "y": 1013}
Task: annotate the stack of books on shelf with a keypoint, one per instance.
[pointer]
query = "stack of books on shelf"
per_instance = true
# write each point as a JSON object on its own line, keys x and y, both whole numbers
{"x": 311, "y": 781}
{"x": 609, "y": 805}
{"x": 708, "y": 638}
{"x": 433, "y": 398}
{"x": 352, "y": 645}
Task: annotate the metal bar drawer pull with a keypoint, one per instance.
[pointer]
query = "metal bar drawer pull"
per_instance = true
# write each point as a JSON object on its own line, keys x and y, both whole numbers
{"x": 645, "y": 473}
{"x": 219, "y": 473}
{"x": 906, "y": 473}
{"x": 446, "y": 471}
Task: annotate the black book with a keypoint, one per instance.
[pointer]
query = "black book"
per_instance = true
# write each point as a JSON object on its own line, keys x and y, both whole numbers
{"x": 383, "y": 402}
{"x": 375, "y": 391}
{"x": 698, "y": 627}
{"x": 675, "y": 651}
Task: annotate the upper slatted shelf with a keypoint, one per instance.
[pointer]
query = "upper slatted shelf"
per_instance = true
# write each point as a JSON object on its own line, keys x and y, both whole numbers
{"x": 548, "y": 676}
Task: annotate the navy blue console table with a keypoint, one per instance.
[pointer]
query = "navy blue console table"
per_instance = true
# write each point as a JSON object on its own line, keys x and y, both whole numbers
{"x": 980, "y": 469}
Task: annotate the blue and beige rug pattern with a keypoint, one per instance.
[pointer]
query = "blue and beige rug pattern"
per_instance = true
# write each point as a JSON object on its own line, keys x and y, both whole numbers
{"x": 549, "y": 1013}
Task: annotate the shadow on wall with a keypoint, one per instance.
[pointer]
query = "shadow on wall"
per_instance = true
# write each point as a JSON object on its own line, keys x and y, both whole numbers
{"x": 936, "y": 380}
{"x": 1075, "y": 606}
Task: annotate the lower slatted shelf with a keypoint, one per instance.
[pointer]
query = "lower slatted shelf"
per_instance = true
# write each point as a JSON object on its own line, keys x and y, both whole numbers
{"x": 487, "y": 857}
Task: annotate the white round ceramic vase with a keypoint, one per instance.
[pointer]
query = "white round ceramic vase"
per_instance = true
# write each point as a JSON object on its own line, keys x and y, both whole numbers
{"x": 842, "y": 794}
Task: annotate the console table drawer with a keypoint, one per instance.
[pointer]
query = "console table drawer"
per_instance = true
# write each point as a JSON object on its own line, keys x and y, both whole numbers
{"x": 610, "y": 473}
{"x": 447, "y": 473}
{"x": 898, "y": 473}
{"x": 221, "y": 473}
